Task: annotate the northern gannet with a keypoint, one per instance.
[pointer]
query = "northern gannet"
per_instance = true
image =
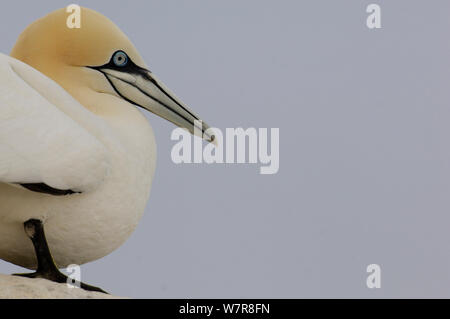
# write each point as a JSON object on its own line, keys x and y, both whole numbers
{"x": 77, "y": 157}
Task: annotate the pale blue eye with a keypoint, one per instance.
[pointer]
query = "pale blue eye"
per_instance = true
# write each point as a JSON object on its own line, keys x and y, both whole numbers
{"x": 120, "y": 58}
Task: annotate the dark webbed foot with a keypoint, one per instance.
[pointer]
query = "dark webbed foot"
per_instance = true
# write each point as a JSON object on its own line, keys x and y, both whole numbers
{"x": 46, "y": 269}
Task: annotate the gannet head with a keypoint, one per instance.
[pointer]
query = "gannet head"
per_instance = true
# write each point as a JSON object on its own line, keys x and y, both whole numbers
{"x": 98, "y": 56}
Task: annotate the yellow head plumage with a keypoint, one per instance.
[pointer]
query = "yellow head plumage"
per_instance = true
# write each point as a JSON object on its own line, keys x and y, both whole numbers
{"x": 98, "y": 57}
{"x": 49, "y": 41}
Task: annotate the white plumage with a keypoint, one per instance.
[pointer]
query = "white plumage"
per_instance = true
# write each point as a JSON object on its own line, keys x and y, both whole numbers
{"x": 69, "y": 122}
{"x": 41, "y": 140}
{"x": 46, "y": 136}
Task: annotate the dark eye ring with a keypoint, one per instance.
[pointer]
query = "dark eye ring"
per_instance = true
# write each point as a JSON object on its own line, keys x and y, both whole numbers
{"x": 120, "y": 58}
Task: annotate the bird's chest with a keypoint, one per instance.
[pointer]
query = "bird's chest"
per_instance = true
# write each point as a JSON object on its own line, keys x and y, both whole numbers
{"x": 84, "y": 227}
{"x": 102, "y": 220}
{"x": 124, "y": 194}
{"x": 127, "y": 186}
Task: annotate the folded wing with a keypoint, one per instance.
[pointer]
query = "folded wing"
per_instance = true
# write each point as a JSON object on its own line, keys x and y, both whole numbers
{"x": 41, "y": 142}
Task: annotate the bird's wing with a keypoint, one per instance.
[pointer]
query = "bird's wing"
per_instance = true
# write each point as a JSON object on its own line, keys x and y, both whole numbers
{"x": 42, "y": 147}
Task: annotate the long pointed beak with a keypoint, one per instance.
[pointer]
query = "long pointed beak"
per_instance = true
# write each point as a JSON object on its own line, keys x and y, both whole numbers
{"x": 142, "y": 88}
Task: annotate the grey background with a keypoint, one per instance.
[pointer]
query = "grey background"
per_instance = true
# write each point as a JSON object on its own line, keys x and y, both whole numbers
{"x": 364, "y": 149}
